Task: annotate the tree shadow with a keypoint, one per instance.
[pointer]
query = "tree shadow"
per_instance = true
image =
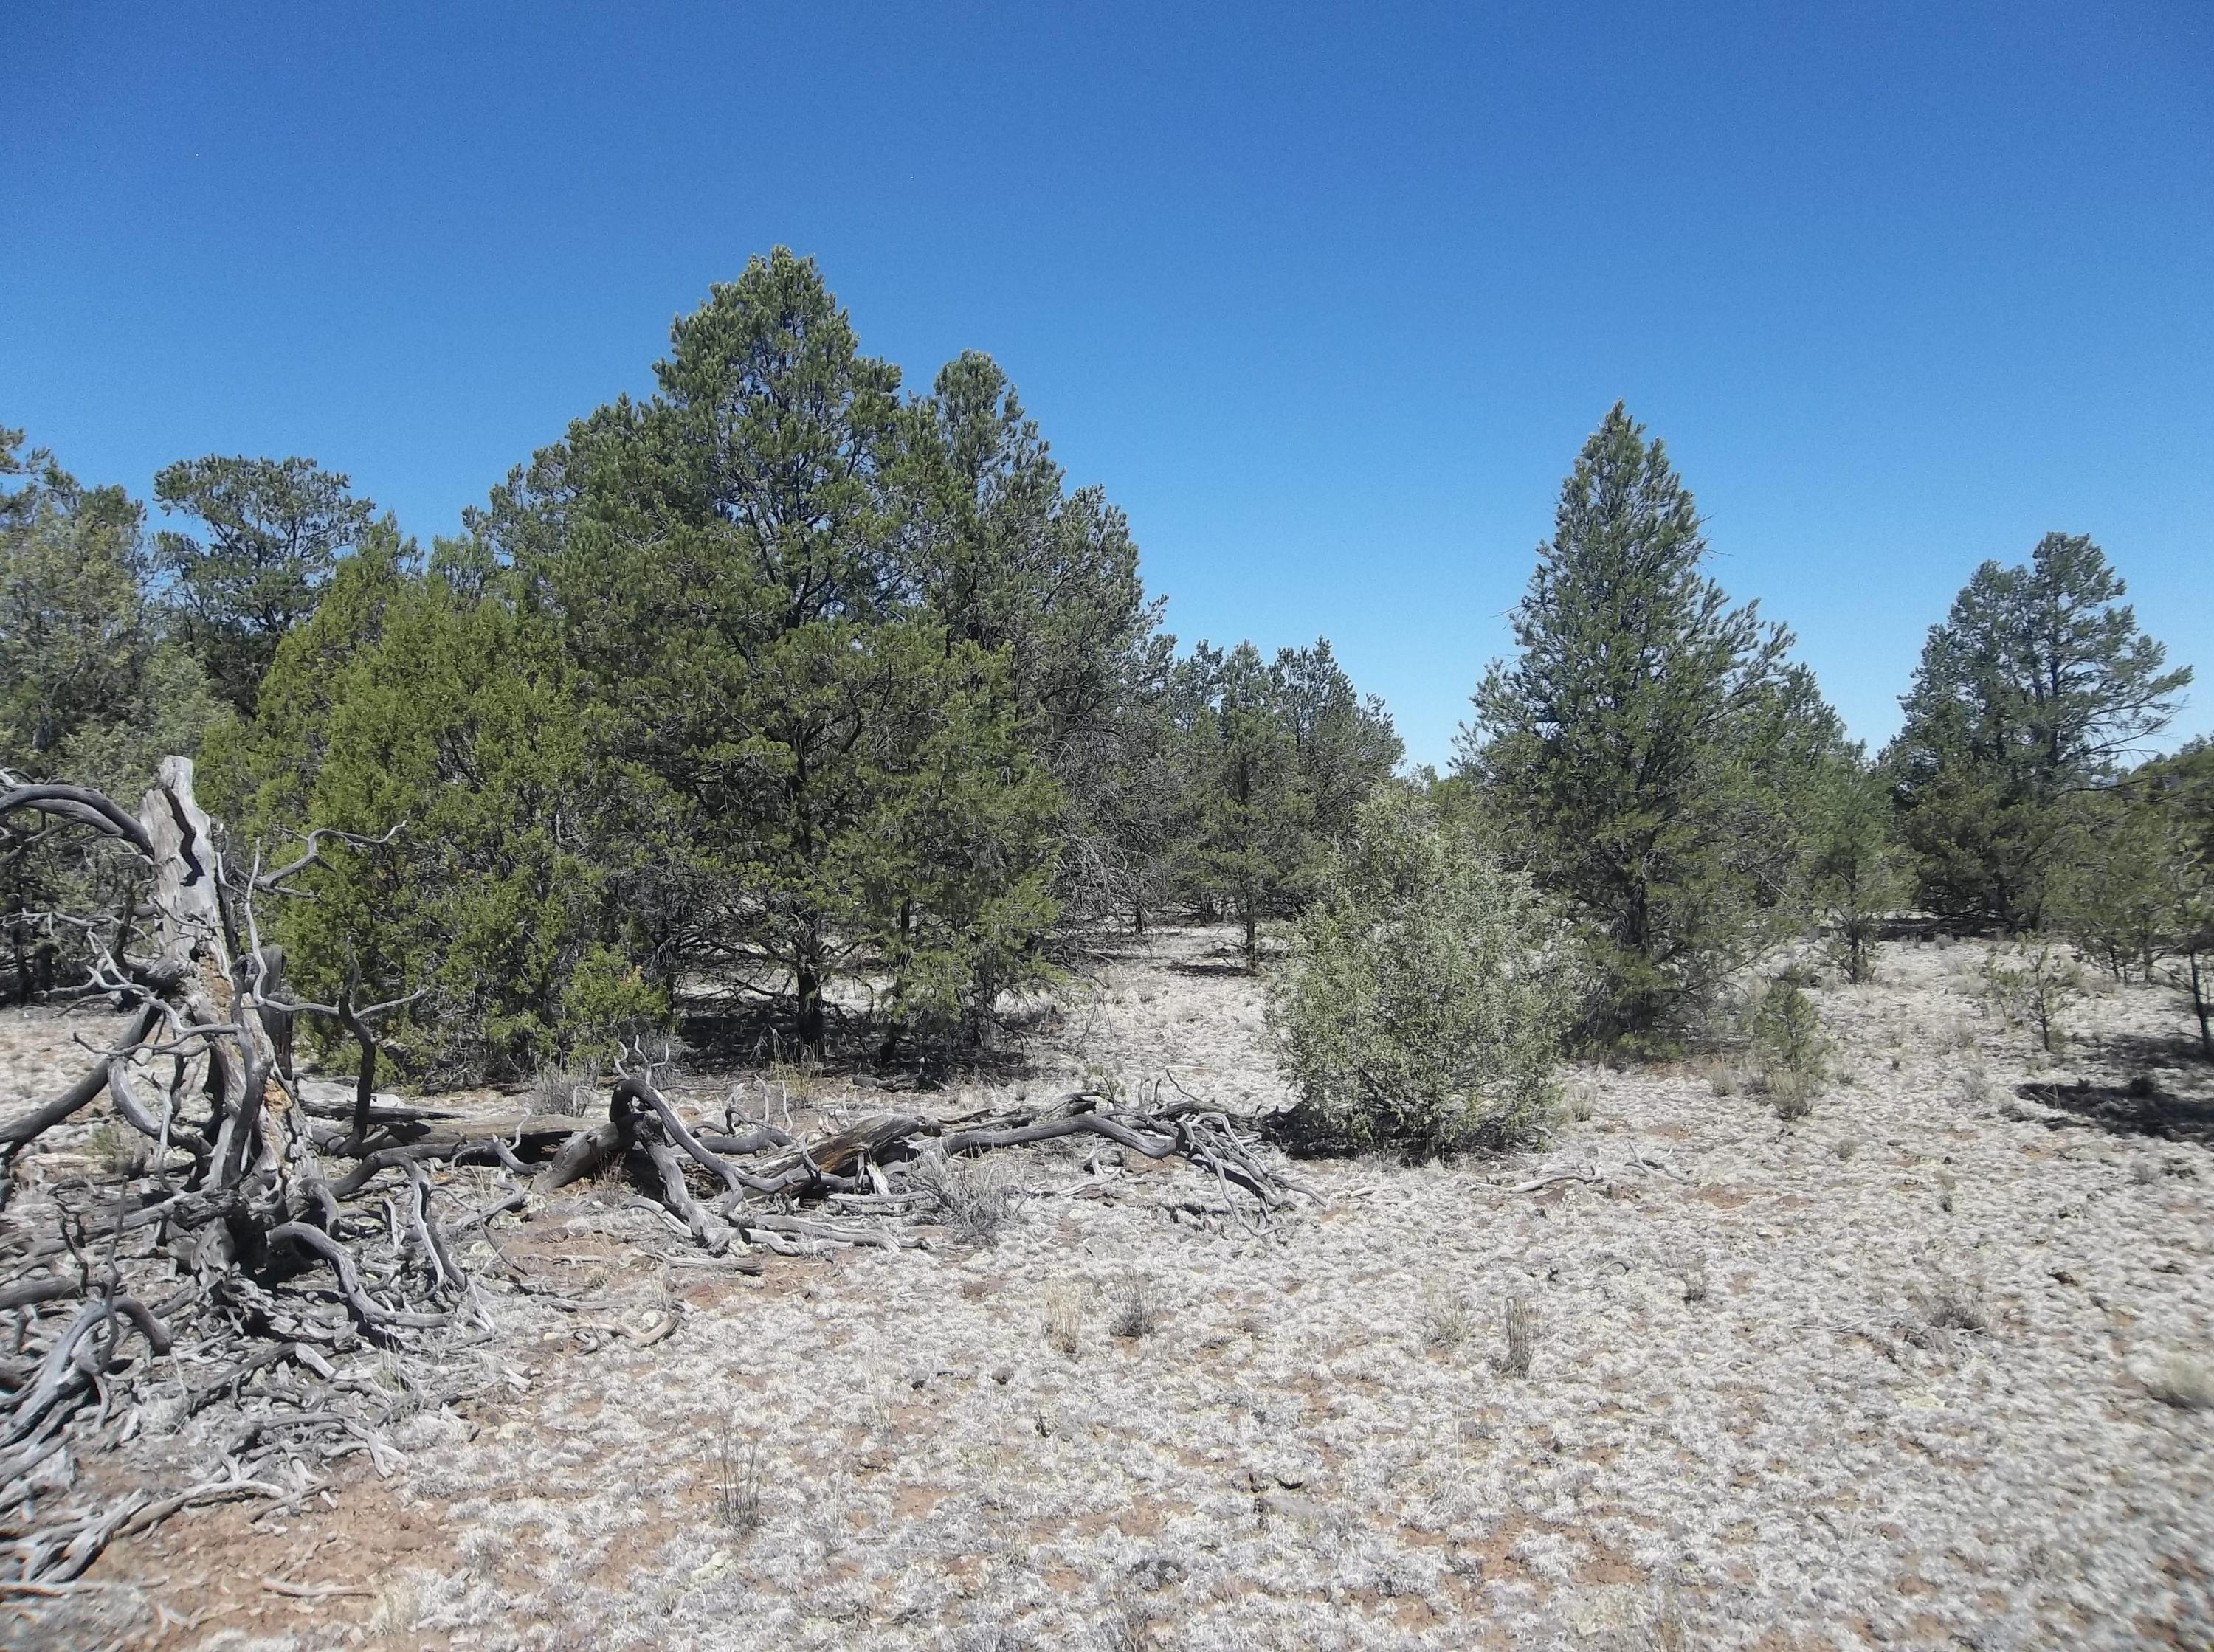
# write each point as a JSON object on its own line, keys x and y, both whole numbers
{"x": 1205, "y": 967}
{"x": 2155, "y": 1049}
{"x": 2132, "y": 1109}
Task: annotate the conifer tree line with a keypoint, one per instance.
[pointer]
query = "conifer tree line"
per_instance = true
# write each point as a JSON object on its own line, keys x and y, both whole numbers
{"x": 784, "y": 690}
{"x": 828, "y": 710}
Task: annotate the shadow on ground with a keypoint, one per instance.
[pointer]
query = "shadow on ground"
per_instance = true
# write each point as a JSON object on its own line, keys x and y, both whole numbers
{"x": 2135, "y": 1109}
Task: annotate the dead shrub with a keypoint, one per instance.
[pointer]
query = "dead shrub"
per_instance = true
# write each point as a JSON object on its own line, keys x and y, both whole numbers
{"x": 739, "y": 1479}
{"x": 571, "y": 1092}
{"x": 973, "y": 1197}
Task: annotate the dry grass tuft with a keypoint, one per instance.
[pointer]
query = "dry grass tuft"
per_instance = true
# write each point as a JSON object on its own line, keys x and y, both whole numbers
{"x": 1064, "y": 1322}
{"x": 572, "y": 1092}
{"x": 1135, "y": 1313}
{"x": 1956, "y": 1305}
{"x": 1668, "y": 1629}
{"x": 1446, "y": 1322}
{"x": 1975, "y": 1085}
{"x": 392, "y": 1621}
{"x": 1127, "y": 1627}
{"x": 1521, "y": 1326}
{"x": 739, "y": 1480}
{"x": 974, "y": 1197}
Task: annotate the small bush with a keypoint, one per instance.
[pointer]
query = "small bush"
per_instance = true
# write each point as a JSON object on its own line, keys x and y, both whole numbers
{"x": 1421, "y": 1006}
{"x": 2034, "y": 989}
{"x": 118, "y": 1152}
{"x": 1789, "y": 1047}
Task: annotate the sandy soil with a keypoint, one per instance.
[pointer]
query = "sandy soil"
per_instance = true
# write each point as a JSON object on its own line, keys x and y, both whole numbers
{"x": 1889, "y": 1376}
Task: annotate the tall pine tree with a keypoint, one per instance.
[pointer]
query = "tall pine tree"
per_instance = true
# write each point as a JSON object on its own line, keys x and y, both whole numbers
{"x": 1644, "y": 744}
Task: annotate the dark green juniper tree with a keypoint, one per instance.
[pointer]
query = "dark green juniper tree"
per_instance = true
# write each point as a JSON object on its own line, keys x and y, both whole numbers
{"x": 799, "y": 648}
{"x": 1645, "y": 746}
{"x": 454, "y": 718}
{"x": 2036, "y": 686}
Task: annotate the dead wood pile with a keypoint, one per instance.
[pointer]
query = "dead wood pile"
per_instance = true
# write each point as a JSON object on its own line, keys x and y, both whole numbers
{"x": 263, "y": 1234}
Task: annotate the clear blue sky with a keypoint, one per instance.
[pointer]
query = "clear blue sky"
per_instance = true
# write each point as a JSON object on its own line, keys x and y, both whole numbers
{"x": 1326, "y": 297}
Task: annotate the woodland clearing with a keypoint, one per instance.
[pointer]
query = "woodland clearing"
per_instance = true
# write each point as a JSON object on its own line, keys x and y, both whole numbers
{"x": 1927, "y": 1367}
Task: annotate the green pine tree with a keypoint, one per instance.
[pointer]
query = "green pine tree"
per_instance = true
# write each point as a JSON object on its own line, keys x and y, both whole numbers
{"x": 1645, "y": 746}
{"x": 2036, "y": 685}
{"x": 275, "y": 529}
{"x": 1856, "y": 877}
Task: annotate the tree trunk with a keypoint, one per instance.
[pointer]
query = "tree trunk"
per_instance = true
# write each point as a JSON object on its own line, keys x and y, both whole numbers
{"x": 809, "y": 986}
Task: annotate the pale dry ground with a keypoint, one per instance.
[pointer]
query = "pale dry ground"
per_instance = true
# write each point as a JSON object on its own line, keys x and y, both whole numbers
{"x": 1754, "y": 1417}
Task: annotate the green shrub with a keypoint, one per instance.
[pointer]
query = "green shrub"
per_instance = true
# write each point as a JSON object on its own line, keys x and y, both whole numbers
{"x": 1790, "y": 1047}
{"x": 1423, "y": 1005}
{"x": 2033, "y": 987}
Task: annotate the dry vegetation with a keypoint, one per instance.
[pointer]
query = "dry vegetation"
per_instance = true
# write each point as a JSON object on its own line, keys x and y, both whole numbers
{"x": 1926, "y": 1367}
